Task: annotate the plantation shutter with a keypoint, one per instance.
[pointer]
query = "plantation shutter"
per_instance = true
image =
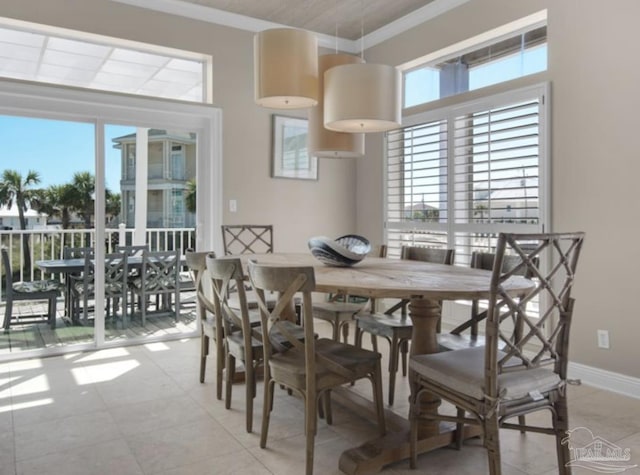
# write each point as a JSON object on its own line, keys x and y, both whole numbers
{"x": 458, "y": 176}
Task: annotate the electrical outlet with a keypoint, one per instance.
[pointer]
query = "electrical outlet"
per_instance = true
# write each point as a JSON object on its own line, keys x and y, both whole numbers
{"x": 603, "y": 339}
{"x": 233, "y": 206}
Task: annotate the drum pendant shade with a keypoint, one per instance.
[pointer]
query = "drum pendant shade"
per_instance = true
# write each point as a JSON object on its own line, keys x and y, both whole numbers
{"x": 326, "y": 143}
{"x": 362, "y": 98}
{"x": 285, "y": 68}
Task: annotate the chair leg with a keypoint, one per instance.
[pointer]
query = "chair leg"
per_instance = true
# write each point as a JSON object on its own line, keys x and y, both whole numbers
{"x": 345, "y": 331}
{"x": 378, "y": 398}
{"x": 204, "y": 351}
{"x": 357, "y": 337}
{"x": 219, "y": 366}
{"x": 413, "y": 439}
{"x": 249, "y": 393}
{"x": 310, "y": 422}
{"x": 335, "y": 326}
{"x": 459, "y": 429}
{"x": 492, "y": 444}
{"x": 326, "y": 397}
{"x": 394, "y": 351}
{"x": 52, "y": 312}
{"x": 522, "y": 421}
{"x": 231, "y": 369}
{"x": 266, "y": 408}
{"x": 404, "y": 347}
{"x": 7, "y": 313}
{"x": 561, "y": 426}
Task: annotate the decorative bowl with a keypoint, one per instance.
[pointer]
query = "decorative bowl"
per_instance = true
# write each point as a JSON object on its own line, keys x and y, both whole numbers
{"x": 340, "y": 252}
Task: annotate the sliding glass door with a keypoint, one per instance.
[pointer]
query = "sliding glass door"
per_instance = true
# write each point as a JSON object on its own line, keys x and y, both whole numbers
{"x": 114, "y": 171}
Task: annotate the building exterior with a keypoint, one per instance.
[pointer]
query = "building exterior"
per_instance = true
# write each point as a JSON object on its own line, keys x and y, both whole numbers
{"x": 9, "y": 218}
{"x": 171, "y": 164}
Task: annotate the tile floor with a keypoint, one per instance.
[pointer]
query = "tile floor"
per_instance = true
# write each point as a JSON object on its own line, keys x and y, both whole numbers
{"x": 141, "y": 410}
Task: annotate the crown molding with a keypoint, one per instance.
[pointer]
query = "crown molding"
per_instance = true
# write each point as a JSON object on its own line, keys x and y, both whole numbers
{"x": 242, "y": 22}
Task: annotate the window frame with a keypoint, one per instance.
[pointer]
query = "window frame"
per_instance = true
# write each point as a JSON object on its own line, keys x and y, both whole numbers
{"x": 449, "y": 114}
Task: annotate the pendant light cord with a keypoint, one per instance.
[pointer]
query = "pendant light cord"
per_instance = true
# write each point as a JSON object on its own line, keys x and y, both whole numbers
{"x": 362, "y": 30}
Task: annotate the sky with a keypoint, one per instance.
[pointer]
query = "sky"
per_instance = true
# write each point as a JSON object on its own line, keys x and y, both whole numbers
{"x": 57, "y": 149}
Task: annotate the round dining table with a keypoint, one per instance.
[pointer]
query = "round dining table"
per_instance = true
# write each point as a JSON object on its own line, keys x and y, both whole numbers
{"x": 426, "y": 285}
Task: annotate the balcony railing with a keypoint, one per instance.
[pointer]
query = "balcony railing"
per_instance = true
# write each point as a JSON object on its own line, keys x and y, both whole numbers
{"x": 50, "y": 243}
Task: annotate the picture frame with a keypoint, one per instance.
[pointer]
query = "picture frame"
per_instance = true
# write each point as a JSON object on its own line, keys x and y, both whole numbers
{"x": 290, "y": 154}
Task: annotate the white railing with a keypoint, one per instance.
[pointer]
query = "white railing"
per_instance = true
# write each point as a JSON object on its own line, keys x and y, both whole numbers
{"x": 47, "y": 244}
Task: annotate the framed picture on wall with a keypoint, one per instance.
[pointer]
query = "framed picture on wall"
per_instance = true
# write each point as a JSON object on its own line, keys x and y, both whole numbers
{"x": 290, "y": 155}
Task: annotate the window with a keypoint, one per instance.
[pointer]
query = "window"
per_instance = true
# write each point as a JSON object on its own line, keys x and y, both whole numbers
{"x": 473, "y": 68}
{"x": 177, "y": 162}
{"x": 456, "y": 177}
{"x": 57, "y": 56}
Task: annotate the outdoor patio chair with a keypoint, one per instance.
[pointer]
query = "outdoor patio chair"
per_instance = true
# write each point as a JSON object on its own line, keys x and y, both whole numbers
{"x": 159, "y": 276}
{"x": 512, "y": 375}
{"x": 28, "y": 291}
{"x": 83, "y": 286}
{"x": 397, "y": 330}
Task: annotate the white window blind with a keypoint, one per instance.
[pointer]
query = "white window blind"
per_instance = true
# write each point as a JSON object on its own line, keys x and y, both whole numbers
{"x": 456, "y": 177}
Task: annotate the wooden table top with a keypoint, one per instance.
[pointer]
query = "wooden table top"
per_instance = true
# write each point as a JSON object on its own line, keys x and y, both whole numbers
{"x": 395, "y": 278}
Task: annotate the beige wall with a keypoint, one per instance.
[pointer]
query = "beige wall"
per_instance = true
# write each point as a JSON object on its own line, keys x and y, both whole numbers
{"x": 297, "y": 209}
{"x": 595, "y": 78}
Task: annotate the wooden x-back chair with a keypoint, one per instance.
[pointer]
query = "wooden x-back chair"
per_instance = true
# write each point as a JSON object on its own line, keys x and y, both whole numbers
{"x": 311, "y": 368}
{"x": 513, "y": 374}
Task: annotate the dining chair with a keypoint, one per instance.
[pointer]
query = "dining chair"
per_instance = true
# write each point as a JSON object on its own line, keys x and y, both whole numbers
{"x": 159, "y": 276}
{"x": 339, "y": 310}
{"x": 33, "y": 290}
{"x": 512, "y": 375}
{"x": 396, "y": 329}
{"x": 240, "y": 239}
{"x": 310, "y": 368}
{"x": 197, "y": 264}
{"x": 83, "y": 286}
{"x": 466, "y": 335}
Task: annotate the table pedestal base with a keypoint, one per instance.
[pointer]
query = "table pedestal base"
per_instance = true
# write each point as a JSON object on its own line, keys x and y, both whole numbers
{"x": 374, "y": 455}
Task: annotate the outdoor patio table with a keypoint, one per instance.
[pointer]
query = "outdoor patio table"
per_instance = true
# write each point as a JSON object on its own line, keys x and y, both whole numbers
{"x": 425, "y": 284}
{"x": 75, "y": 266}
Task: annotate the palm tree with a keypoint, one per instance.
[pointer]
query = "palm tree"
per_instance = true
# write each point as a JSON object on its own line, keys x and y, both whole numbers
{"x": 113, "y": 205}
{"x": 14, "y": 188}
{"x": 56, "y": 200}
{"x": 84, "y": 184}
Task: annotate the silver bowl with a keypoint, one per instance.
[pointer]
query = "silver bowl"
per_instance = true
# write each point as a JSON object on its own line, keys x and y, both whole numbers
{"x": 344, "y": 251}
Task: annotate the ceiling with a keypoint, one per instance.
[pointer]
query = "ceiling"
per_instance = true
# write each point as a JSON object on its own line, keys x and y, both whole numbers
{"x": 322, "y": 16}
{"x": 379, "y": 20}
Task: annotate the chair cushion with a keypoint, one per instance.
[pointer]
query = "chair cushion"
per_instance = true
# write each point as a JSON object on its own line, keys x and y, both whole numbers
{"x": 36, "y": 286}
{"x": 463, "y": 371}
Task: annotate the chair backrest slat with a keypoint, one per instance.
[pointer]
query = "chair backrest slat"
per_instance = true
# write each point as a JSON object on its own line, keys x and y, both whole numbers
{"x": 247, "y": 239}
{"x": 428, "y": 254}
{"x": 542, "y": 338}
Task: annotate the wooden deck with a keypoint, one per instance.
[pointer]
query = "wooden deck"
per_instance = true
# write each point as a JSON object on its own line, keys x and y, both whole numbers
{"x": 38, "y": 335}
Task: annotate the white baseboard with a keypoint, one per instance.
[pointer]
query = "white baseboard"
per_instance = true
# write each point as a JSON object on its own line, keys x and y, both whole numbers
{"x": 600, "y": 378}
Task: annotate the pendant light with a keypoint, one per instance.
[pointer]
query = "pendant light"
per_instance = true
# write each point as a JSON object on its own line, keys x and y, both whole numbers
{"x": 326, "y": 143}
{"x": 285, "y": 68}
{"x": 362, "y": 97}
